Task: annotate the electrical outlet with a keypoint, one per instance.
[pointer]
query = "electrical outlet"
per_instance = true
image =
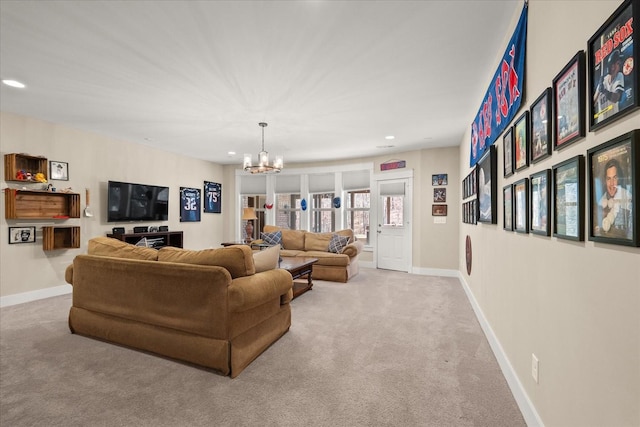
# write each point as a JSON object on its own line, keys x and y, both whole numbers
{"x": 534, "y": 367}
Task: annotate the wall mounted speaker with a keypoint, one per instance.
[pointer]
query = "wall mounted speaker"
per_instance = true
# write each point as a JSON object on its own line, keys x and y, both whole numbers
{"x": 117, "y": 230}
{"x": 140, "y": 229}
{"x": 163, "y": 228}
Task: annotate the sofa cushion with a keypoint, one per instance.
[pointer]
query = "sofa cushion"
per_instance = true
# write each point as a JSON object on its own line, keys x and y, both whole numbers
{"x": 237, "y": 259}
{"x": 107, "y": 246}
{"x": 266, "y": 259}
{"x": 291, "y": 239}
{"x": 272, "y": 239}
{"x": 327, "y": 258}
{"x": 337, "y": 243}
{"x": 317, "y": 241}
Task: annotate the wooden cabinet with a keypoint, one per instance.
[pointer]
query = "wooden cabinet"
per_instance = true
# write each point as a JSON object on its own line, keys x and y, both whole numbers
{"x": 17, "y": 162}
{"x": 60, "y": 238}
{"x": 155, "y": 239}
{"x": 31, "y": 204}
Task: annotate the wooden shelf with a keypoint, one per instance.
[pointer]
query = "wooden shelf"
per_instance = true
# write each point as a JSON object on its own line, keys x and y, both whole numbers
{"x": 60, "y": 238}
{"x": 16, "y": 162}
{"x": 30, "y": 204}
{"x": 162, "y": 238}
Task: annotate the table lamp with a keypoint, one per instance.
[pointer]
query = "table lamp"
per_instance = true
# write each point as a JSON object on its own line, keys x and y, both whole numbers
{"x": 249, "y": 214}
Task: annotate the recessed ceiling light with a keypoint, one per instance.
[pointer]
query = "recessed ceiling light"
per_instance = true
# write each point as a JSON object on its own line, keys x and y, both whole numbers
{"x": 14, "y": 83}
{"x": 231, "y": 153}
{"x": 385, "y": 146}
{"x": 389, "y": 137}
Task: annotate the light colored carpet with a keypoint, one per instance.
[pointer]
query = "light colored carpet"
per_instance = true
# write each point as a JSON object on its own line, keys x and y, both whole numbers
{"x": 385, "y": 349}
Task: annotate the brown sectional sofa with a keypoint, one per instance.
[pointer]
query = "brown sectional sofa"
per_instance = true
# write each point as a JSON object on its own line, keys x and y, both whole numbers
{"x": 205, "y": 307}
{"x": 335, "y": 267}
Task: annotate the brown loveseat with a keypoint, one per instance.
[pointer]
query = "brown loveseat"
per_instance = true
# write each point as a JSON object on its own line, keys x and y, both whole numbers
{"x": 335, "y": 267}
{"x": 205, "y": 307}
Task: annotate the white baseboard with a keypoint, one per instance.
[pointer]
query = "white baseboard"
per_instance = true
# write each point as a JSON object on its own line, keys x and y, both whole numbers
{"x": 529, "y": 412}
{"x": 435, "y": 272}
{"x": 35, "y": 295}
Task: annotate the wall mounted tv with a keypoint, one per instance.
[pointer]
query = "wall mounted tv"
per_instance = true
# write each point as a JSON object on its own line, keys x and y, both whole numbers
{"x": 137, "y": 202}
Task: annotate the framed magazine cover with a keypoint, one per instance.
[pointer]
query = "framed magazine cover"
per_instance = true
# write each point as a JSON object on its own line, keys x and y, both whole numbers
{"x": 540, "y": 203}
{"x": 22, "y": 234}
{"x": 569, "y": 103}
{"x": 507, "y": 152}
{"x": 614, "y": 176}
{"x": 487, "y": 186}
{"x": 521, "y": 142}
{"x": 507, "y": 207}
{"x": 568, "y": 199}
{"x": 521, "y": 206}
{"x": 541, "y": 113}
{"x": 613, "y": 75}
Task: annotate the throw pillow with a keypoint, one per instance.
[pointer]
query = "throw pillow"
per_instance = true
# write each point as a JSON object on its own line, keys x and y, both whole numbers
{"x": 337, "y": 243}
{"x": 272, "y": 239}
{"x": 266, "y": 259}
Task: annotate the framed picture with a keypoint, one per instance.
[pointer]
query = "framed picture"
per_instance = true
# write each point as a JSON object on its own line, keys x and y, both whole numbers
{"x": 507, "y": 152}
{"x": 22, "y": 235}
{"x": 439, "y": 195}
{"x": 521, "y": 141}
{"x": 439, "y": 179}
{"x": 613, "y": 190}
{"x": 541, "y": 126}
{"x": 568, "y": 199}
{"x": 189, "y": 204}
{"x": 487, "y": 186}
{"x": 212, "y": 197}
{"x": 58, "y": 170}
{"x": 507, "y": 207}
{"x": 568, "y": 102}
{"x": 540, "y": 203}
{"x": 521, "y": 206}
{"x": 439, "y": 210}
{"x": 613, "y": 77}
{"x": 474, "y": 211}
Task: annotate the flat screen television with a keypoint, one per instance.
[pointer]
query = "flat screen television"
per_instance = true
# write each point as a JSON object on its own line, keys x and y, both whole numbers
{"x": 137, "y": 202}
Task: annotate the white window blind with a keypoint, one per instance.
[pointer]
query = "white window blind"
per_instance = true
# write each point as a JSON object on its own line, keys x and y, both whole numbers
{"x": 355, "y": 180}
{"x": 324, "y": 183}
{"x": 392, "y": 189}
{"x": 253, "y": 184}
{"x": 287, "y": 184}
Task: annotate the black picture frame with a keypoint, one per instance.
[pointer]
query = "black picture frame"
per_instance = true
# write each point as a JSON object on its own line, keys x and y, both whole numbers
{"x": 22, "y": 235}
{"x": 569, "y": 102}
{"x": 58, "y": 171}
{"x": 521, "y": 142}
{"x": 541, "y": 116}
{"x": 507, "y": 207}
{"x": 487, "y": 187}
{"x": 521, "y": 206}
{"x": 614, "y": 45}
{"x": 189, "y": 204}
{"x": 568, "y": 199}
{"x": 540, "y": 203}
{"x": 212, "y": 197}
{"x": 614, "y": 168}
{"x": 507, "y": 152}
{"x": 439, "y": 195}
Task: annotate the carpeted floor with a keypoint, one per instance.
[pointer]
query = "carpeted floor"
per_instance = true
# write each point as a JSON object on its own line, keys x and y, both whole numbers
{"x": 385, "y": 349}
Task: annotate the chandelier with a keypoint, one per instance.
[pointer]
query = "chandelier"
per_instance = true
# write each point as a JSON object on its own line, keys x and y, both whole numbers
{"x": 263, "y": 165}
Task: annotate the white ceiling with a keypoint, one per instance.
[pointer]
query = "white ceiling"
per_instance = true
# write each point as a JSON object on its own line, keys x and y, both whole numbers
{"x": 331, "y": 78}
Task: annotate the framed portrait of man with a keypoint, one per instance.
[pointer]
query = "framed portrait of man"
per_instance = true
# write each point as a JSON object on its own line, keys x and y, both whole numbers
{"x": 613, "y": 192}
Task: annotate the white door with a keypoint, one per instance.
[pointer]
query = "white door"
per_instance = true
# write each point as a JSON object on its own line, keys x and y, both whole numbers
{"x": 394, "y": 231}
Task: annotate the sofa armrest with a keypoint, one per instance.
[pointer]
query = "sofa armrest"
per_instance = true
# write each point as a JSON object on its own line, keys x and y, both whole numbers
{"x": 251, "y": 291}
{"x": 353, "y": 249}
{"x": 68, "y": 274}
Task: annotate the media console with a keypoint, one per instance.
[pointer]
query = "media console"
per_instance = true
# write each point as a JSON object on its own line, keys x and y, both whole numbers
{"x": 158, "y": 239}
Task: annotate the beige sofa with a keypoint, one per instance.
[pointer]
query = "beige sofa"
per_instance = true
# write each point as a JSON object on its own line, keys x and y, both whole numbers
{"x": 335, "y": 267}
{"x": 205, "y": 307}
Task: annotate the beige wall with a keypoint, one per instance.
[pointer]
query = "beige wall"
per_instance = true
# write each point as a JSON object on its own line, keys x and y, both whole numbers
{"x": 576, "y": 305}
{"x": 93, "y": 160}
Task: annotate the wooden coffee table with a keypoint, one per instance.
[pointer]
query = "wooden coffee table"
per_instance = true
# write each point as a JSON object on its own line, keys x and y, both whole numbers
{"x": 299, "y": 267}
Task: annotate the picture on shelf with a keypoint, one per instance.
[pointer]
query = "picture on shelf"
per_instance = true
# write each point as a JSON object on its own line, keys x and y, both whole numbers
{"x": 22, "y": 235}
